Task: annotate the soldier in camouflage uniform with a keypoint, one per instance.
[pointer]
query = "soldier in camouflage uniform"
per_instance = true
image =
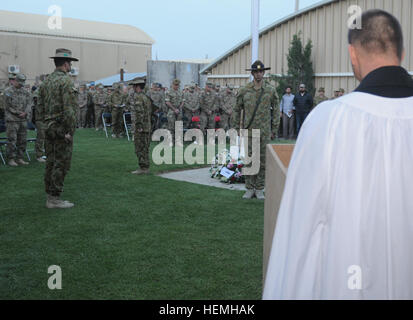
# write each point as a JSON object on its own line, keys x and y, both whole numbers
{"x": 82, "y": 105}
{"x": 58, "y": 98}
{"x": 208, "y": 107}
{"x": 261, "y": 97}
{"x": 228, "y": 101}
{"x": 117, "y": 103}
{"x": 90, "y": 112}
{"x": 158, "y": 99}
{"x": 174, "y": 100}
{"x": 191, "y": 106}
{"x": 320, "y": 98}
{"x": 18, "y": 106}
{"x": 99, "y": 102}
{"x": 142, "y": 109}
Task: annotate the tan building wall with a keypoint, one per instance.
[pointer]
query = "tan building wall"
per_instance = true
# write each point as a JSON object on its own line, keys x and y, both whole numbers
{"x": 103, "y": 48}
{"x": 97, "y": 59}
{"x": 326, "y": 25}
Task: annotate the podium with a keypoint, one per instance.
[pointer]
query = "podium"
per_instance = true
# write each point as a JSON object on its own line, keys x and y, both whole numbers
{"x": 278, "y": 157}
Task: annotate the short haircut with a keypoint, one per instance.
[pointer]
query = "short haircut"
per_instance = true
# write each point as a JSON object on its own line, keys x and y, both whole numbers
{"x": 291, "y": 88}
{"x": 58, "y": 62}
{"x": 380, "y": 33}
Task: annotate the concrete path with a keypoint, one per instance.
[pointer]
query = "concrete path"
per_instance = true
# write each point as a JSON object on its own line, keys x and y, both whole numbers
{"x": 201, "y": 176}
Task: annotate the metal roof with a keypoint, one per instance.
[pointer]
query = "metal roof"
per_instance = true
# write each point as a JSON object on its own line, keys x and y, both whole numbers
{"x": 116, "y": 78}
{"x": 36, "y": 24}
{"x": 265, "y": 30}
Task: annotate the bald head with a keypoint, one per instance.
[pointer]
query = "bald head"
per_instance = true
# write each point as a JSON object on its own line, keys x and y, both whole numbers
{"x": 380, "y": 33}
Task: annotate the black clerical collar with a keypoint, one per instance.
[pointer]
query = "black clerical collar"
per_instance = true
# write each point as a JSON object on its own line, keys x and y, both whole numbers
{"x": 388, "y": 82}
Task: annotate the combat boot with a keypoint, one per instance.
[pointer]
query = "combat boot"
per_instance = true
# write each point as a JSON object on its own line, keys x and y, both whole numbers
{"x": 22, "y": 162}
{"x": 12, "y": 163}
{"x": 55, "y": 203}
{"x": 141, "y": 171}
{"x": 249, "y": 194}
{"x": 260, "y": 194}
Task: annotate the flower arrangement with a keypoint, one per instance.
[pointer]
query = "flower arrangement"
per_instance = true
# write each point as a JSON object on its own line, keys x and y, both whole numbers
{"x": 226, "y": 169}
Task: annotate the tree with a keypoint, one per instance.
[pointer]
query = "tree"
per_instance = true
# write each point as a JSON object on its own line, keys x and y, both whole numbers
{"x": 300, "y": 67}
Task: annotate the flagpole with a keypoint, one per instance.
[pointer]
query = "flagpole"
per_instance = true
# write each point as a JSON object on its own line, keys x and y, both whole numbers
{"x": 255, "y": 23}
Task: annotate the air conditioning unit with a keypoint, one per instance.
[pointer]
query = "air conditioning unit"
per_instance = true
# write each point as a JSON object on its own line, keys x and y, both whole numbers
{"x": 14, "y": 69}
{"x": 74, "y": 72}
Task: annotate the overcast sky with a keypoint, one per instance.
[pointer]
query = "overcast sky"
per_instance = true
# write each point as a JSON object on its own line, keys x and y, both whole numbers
{"x": 182, "y": 29}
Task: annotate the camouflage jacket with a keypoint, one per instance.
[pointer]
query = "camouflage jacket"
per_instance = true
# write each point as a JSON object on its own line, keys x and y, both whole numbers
{"x": 247, "y": 99}
{"x": 228, "y": 103}
{"x": 117, "y": 99}
{"x": 82, "y": 99}
{"x": 175, "y": 97}
{"x": 99, "y": 98}
{"x": 191, "y": 101}
{"x": 318, "y": 100}
{"x": 209, "y": 102}
{"x": 142, "y": 108}
{"x": 158, "y": 99}
{"x": 58, "y": 102}
{"x": 17, "y": 101}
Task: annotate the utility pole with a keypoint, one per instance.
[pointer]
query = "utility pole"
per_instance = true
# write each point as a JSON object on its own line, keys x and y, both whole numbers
{"x": 255, "y": 25}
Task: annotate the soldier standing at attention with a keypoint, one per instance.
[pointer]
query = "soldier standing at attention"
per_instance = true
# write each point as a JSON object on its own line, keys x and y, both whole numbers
{"x": 117, "y": 102}
{"x": 228, "y": 101}
{"x": 18, "y": 103}
{"x": 208, "y": 103}
{"x": 256, "y": 100}
{"x": 58, "y": 99}
{"x": 321, "y": 97}
{"x": 142, "y": 108}
{"x": 191, "y": 105}
{"x": 82, "y": 105}
{"x": 99, "y": 100}
{"x": 174, "y": 100}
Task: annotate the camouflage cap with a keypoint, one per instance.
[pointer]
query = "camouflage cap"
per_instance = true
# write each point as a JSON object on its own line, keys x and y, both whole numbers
{"x": 342, "y": 90}
{"x": 176, "y": 82}
{"x": 321, "y": 89}
{"x": 21, "y": 78}
{"x": 230, "y": 87}
{"x": 12, "y": 76}
{"x": 210, "y": 84}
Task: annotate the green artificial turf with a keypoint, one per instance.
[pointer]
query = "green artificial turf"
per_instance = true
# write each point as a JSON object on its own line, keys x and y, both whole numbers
{"x": 128, "y": 237}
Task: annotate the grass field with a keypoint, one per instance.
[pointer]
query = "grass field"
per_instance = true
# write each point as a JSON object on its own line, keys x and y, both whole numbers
{"x": 128, "y": 237}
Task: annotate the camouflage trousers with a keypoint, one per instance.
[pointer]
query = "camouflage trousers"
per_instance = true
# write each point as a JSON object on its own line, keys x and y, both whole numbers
{"x": 207, "y": 121}
{"x": 257, "y": 181}
{"x": 17, "y": 139}
{"x": 81, "y": 117}
{"x": 99, "y": 109}
{"x": 39, "y": 146}
{"x": 224, "y": 122}
{"x": 117, "y": 121}
{"x": 172, "y": 118}
{"x": 59, "y": 157}
{"x": 142, "y": 142}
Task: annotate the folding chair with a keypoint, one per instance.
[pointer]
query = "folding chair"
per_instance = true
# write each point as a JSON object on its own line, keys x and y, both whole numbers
{"x": 31, "y": 126}
{"x": 127, "y": 122}
{"x": 3, "y": 143}
{"x": 107, "y": 122}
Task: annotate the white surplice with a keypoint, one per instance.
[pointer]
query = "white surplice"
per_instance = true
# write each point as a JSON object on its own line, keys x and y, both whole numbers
{"x": 345, "y": 224}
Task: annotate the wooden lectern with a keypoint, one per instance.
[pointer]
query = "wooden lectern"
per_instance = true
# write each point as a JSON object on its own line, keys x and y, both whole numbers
{"x": 278, "y": 157}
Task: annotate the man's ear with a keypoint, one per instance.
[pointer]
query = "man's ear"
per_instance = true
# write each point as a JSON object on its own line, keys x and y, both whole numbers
{"x": 403, "y": 55}
{"x": 352, "y": 52}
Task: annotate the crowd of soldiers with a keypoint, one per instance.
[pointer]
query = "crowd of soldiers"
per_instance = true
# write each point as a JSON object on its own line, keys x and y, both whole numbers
{"x": 197, "y": 108}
